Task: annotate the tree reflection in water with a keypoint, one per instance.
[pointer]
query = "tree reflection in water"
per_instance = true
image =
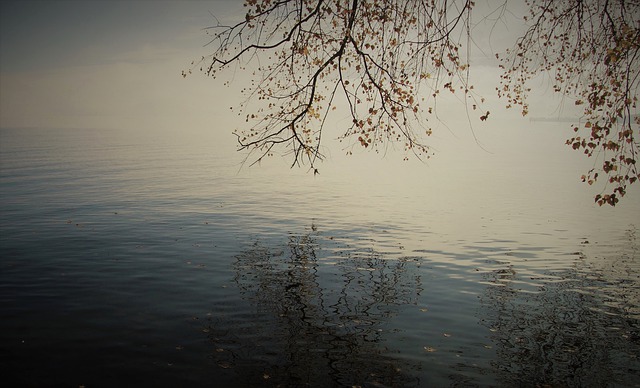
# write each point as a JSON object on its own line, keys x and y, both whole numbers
{"x": 318, "y": 321}
{"x": 581, "y": 328}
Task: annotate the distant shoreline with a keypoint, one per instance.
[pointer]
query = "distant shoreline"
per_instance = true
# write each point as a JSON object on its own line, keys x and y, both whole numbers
{"x": 563, "y": 119}
{"x": 555, "y": 119}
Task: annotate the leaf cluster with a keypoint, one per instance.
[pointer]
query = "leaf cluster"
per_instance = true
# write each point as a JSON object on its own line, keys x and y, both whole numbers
{"x": 591, "y": 51}
{"x": 376, "y": 57}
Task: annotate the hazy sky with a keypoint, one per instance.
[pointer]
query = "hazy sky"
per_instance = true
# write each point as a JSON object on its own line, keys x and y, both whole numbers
{"x": 107, "y": 64}
{"x": 117, "y": 64}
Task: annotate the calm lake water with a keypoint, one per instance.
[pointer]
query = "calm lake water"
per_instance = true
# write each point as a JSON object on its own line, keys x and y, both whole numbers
{"x": 130, "y": 259}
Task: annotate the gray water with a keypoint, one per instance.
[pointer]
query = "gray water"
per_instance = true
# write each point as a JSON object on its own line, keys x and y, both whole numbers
{"x": 130, "y": 259}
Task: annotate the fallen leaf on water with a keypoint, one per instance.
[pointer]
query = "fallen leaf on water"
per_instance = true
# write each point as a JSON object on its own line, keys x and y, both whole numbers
{"x": 224, "y": 364}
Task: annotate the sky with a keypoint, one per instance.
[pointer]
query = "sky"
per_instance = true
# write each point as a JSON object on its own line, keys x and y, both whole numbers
{"x": 108, "y": 64}
{"x": 116, "y": 64}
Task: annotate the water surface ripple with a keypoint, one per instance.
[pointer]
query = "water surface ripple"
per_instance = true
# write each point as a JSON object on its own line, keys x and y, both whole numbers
{"x": 135, "y": 261}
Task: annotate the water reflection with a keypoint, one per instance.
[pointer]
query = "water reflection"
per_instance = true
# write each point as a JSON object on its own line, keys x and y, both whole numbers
{"x": 317, "y": 316}
{"x": 580, "y": 327}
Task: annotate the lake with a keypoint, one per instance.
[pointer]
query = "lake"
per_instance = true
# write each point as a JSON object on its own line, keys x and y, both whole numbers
{"x": 154, "y": 260}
